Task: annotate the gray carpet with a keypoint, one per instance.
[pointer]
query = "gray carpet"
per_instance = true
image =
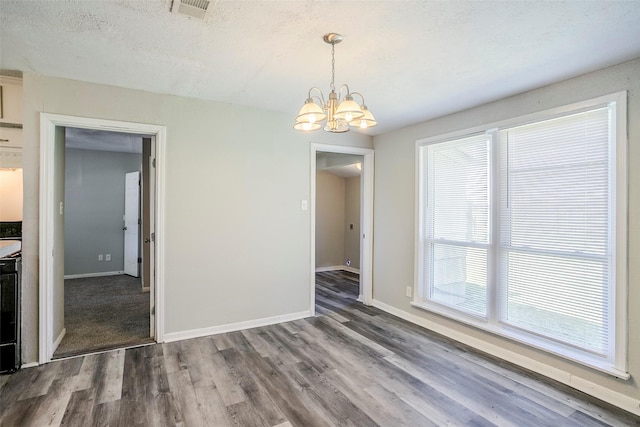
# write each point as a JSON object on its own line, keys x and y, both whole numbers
{"x": 101, "y": 313}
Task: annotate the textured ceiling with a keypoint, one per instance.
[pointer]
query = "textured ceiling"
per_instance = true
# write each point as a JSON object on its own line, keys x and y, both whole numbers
{"x": 412, "y": 60}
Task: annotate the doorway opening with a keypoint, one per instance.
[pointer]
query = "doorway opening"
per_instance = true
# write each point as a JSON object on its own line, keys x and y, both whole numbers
{"x": 101, "y": 206}
{"x": 106, "y": 300}
{"x": 342, "y": 220}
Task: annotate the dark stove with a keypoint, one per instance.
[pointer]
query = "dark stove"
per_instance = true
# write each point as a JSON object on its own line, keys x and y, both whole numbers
{"x": 10, "y": 271}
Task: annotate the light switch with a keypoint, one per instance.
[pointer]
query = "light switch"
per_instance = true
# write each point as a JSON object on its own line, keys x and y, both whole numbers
{"x": 304, "y": 205}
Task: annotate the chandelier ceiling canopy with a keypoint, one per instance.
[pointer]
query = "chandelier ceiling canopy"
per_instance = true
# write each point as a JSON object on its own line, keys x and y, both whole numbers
{"x": 339, "y": 111}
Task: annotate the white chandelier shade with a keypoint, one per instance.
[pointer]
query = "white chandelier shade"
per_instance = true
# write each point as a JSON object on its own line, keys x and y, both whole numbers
{"x": 339, "y": 113}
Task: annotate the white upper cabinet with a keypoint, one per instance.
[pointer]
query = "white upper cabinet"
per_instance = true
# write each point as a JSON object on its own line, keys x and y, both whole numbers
{"x": 11, "y": 107}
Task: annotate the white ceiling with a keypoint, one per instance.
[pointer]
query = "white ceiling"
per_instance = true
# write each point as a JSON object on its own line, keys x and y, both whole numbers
{"x": 412, "y": 60}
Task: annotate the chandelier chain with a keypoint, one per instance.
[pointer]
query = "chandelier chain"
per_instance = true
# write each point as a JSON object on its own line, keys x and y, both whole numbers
{"x": 333, "y": 66}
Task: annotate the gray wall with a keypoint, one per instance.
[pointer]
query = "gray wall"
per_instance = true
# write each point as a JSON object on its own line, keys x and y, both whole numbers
{"x": 394, "y": 206}
{"x": 329, "y": 220}
{"x": 352, "y": 201}
{"x": 94, "y": 199}
{"x": 235, "y": 235}
{"x": 337, "y": 206}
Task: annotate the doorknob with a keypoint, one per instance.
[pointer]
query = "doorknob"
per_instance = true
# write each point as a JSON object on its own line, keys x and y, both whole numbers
{"x": 147, "y": 240}
{"x": 124, "y": 228}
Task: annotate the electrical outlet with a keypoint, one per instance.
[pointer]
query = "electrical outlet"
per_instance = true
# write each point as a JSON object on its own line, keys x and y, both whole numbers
{"x": 100, "y": 257}
{"x": 107, "y": 257}
{"x": 409, "y": 291}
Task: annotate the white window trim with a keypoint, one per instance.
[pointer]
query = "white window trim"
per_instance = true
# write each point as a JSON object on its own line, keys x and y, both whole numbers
{"x": 617, "y": 367}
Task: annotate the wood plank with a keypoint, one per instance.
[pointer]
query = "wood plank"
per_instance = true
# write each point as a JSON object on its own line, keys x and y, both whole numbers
{"x": 229, "y": 390}
{"x": 291, "y": 397}
{"x": 76, "y": 413}
{"x": 109, "y": 385}
{"x": 245, "y": 414}
{"x": 256, "y": 394}
{"x": 184, "y": 394}
{"x": 50, "y": 409}
{"x": 106, "y": 414}
{"x": 40, "y": 381}
{"x": 212, "y": 408}
{"x": 20, "y": 412}
{"x": 133, "y": 408}
{"x": 341, "y": 410}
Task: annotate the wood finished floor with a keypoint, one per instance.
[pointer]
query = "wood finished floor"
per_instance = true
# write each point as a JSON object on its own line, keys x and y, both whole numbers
{"x": 350, "y": 365}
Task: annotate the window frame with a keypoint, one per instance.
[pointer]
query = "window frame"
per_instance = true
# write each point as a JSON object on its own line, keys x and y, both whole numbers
{"x": 615, "y": 363}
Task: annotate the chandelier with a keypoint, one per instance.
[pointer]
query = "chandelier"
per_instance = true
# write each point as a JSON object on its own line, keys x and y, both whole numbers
{"x": 339, "y": 113}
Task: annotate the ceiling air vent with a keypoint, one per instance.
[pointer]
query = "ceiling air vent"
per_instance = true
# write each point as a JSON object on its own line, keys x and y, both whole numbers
{"x": 194, "y": 8}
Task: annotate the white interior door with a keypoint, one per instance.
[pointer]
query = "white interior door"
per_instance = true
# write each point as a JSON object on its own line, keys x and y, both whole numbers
{"x": 131, "y": 223}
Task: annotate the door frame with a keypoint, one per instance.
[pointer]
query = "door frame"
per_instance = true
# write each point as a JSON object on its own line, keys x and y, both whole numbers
{"x": 48, "y": 124}
{"x": 366, "y": 218}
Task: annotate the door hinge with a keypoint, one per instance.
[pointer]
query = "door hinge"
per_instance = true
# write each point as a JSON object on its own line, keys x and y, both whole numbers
{"x": 153, "y": 237}
{"x": 139, "y": 260}
{"x": 153, "y": 163}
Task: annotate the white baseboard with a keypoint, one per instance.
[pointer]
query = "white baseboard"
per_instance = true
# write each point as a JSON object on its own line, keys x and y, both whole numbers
{"x": 29, "y": 365}
{"x": 338, "y": 268}
{"x": 58, "y": 340}
{"x": 330, "y": 268}
{"x": 101, "y": 274}
{"x": 232, "y": 327}
{"x": 603, "y": 393}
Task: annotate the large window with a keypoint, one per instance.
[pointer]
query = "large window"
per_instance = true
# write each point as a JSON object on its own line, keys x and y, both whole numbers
{"x": 520, "y": 230}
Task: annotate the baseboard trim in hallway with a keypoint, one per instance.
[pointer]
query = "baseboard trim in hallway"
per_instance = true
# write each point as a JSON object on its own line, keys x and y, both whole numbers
{"x": 58, "y": 340}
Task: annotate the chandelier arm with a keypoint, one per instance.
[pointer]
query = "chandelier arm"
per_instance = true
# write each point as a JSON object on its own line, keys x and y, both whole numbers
{"x": 320, "y": 98}
{"x": 360, "y": 95}
{"x": 344, "y": 86}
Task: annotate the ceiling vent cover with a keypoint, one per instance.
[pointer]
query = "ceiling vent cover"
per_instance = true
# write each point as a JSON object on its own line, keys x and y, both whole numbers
{"x": 194, "y": 8}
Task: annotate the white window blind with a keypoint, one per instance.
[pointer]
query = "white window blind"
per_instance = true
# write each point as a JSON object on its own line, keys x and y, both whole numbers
{"x": 458, "y": 228}
{"x": 523, "y": 231}
{"x": 555, "y": 237}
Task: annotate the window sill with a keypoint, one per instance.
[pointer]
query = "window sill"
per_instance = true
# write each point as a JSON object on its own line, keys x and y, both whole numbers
{"x": 538, "y": 343}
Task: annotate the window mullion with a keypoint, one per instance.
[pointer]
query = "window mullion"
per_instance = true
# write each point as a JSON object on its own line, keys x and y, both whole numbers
{"x": 493, "y": 257}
